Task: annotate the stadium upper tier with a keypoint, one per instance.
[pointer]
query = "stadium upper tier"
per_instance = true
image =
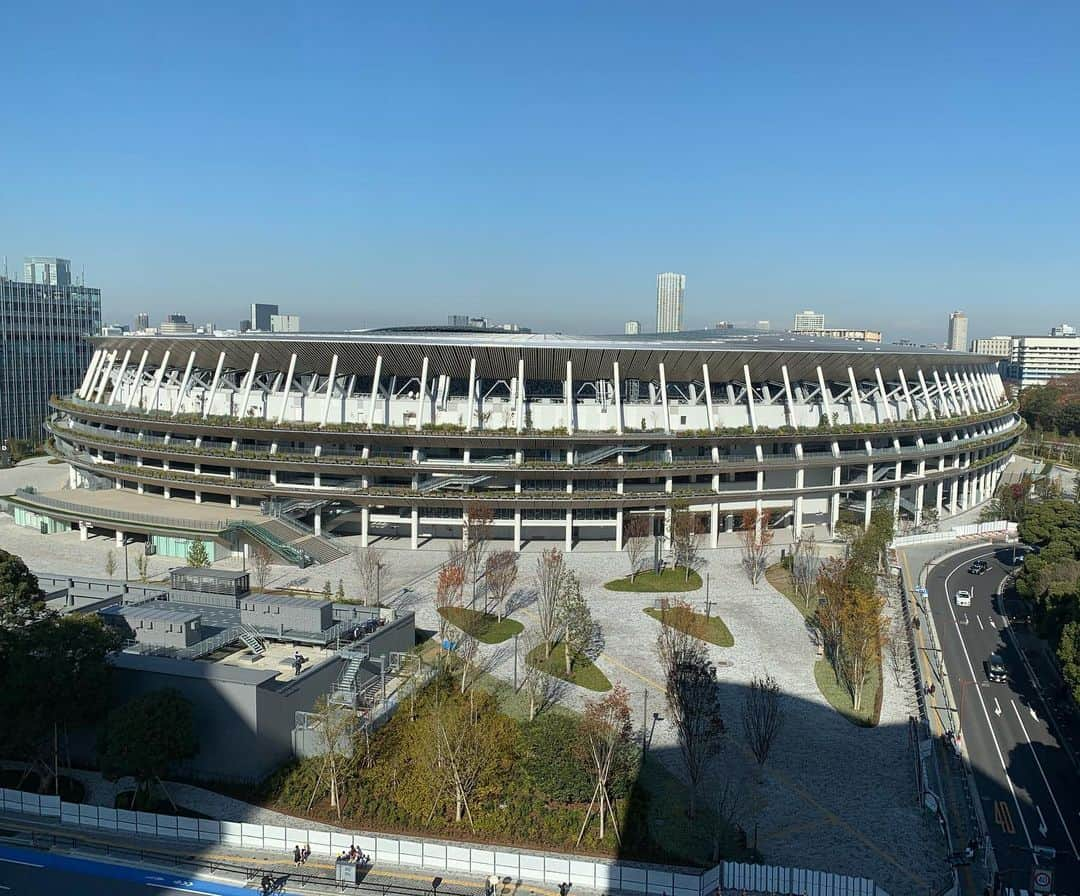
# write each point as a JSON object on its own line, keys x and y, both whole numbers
{"x": 408, "y": 428}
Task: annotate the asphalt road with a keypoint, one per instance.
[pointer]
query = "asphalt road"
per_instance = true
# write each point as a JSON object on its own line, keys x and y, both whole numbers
{"x": 26, "y": 872}
{"x": 1028, "y": 787}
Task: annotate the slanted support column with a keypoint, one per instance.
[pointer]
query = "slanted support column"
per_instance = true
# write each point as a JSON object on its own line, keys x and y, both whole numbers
{"x": 869, "y": 496}
{"x": 750, "y": 397}
{"x": 105, "y": 378}
{"x": 330, "y": 392}
{"x": 617, "y": 384}
{"x": 834, "y": 501}
{"x": 788, "y": 399}
{"x": 374, "y": 392}
{"x": 91, "y": 369}
{"x": 120, "y": 377}
{"x": 285, "y": 389}
{"x": 707, "y": 383}
{"x": 214, "y": 385}
{"x": 519, "y": 415}
{"x": 826, "y": 398}
{"x": 569, "y": 397}
{"x": 423, "y": 393}
{"x": 248, "y": 383}
{"x": 926, "y": 395}
{"x": 884, "y": 395}
{"x": 856, "y": 398}
{"x": 914, "y": 411}
{"x": 182, "y": 394}
{"x": 471, "y": 403}
{"x": 137, "y": 384}
{"x": 664, "y": 398}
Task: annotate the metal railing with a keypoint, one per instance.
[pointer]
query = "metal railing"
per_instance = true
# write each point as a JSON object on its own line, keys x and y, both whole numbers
{"x": 90, "y": 512}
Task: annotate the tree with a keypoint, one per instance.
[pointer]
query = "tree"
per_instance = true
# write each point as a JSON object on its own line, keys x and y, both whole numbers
{"x": 501, "y": 574}
{"x": 449, "y": 586}
{"x": 327, "y": 591}
{"x": 479, "y": 521}
{"x": 575, "y": 619}
{"x": 896, "y": 645}
{"x": 763, "y": 715}
{"x": 110, "y": 564}
{"x": 757, "y": 536}
{"x": 367, "y": 562}
{"x": 636, "y": 534}
{"x": 606, "y": 729}
{"x": 551, "y": 574}
{"x": 805, "y": 564}
{"x": 692, "y": 693}
{"x": 338, "y": 727}
{"x": 539, "y": 687}
{"x": 196, "y": 555}
{"x": 144, "y": 737}
{"x": 261, "y": 561}
{"x": 142, "y": 566}
{"x": 685, "y": 539}
{"x": 21, "y": 600}
{"x": 340, "y": 595}
{"x": 862, "y": 636}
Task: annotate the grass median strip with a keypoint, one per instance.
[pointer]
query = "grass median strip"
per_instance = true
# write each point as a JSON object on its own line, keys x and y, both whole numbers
{"x": 583, "y": 672}
{"x": 711, "y": 629}
{"x": 669, "y": 581}
{"x": 486, "y": 627}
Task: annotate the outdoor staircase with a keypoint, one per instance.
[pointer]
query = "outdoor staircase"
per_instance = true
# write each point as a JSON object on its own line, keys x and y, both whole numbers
{"x": 462, "y": 482}
{"x": 346, "y": 688}
{"x": 599, "y": 454}
{"x": 253, "y": 643}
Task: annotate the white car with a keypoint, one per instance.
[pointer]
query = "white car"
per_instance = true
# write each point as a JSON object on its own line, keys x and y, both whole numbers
{"x": 963, "y": 598}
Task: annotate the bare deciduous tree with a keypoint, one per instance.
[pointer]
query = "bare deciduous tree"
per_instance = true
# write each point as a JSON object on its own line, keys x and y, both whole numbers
{"x": 763, "y": 715}
{"x": 500, "y": 574}
{"x": 539, "y": 687}
{"x": 110, "y": 564}
{"x": 466, "y": 649}
{"x": 805, "y": 565}
{"x": 261, "y": 560}
{"x": 729, "y": 800}
{"x": 757, "y": 537}
{"x": 449, "y": 586}
{"x": 367, "y": 562}
{"x": 606, "y": 728}
{"x": 550, "y": 581}
{"x": 896, "y": 646}
{"x": 692, "y": 699}
{"x": 636, "y": 534}
{"x": 686, "y": 539}
{"x": 337, "y": 725}
{"x": 476, "y": 538}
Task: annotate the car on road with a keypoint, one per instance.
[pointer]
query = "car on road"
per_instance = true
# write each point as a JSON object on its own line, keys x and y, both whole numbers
{"x": 1017, "y": 611}
{"x": 996, "y": 669}
{"x": 963, "y": 598}
{"x": 979, "y": 567}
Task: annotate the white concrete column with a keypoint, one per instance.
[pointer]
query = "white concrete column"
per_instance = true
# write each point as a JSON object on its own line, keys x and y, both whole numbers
{"x": 920, "y": 496}
{"x": 750, "y": 397}
{"x": 708, "y": 396}
{"x": 84, "y": 531}
{"x": 856, "y": 399}
{"x": 414, "y": 528}
{"x": 138, "y": 380}
{"x": 286, "y": 388}
{"x": 423, "y": 393}
{"x": 800, "y": 483}
{"x": 198, "y": 497}
{"x": 365, "y": 525}
{"x": 869, "y": 496}
{"x": 374, "y": 391}
{"x": 907, "y": 395}
{"x": 664, "y": 398}
{"x": 519, "y": 414}
{"x": 471, "y": 404}
{"x": 318, "y": 522}
{"x": 826, "y": 398}
{"x": 569, "y": 396}
{"x": 214, "y": 385}
{"x": 120, "y": 378}
{"x": 182, "y": 394}
{"x": 330, "y": 391}
{"x": 940, "y": 503}
{"x": 787, "y": 397}
{"x": 517, "y": 529}
{"x": 91, "y": 369}
{"x": 617, "y": 383}
{"x": 151, "y": 405}
{"x": 714, "y": 525}
{"x": 569, "y": 529}
{"x": 105, "y": 377}
{"x": 834, "y": 501}
{"x": 249, "y": 381}
{"x": 926, "y": 394}
{"x": 884, "y": 395}
{"x": 959, "y": 399}
{"x": 982, "y": 399}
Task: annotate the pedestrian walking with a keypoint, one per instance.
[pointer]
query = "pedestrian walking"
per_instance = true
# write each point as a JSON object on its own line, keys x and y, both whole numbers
{"x": 305, "y": 855}
{"x": 296, "y": 855}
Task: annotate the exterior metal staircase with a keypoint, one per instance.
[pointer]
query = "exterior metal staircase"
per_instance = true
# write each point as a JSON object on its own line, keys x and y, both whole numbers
{"x": 440, "y": 482}
{"x": 252, "y": 642}
{"x": 599, "y": 454}
{"x": 347, "y": 687}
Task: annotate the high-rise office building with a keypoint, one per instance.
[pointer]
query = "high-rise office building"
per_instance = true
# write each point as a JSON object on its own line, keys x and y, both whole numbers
{"x": 284, "y": 323}
{"x": 1035, "y": 360}
{"x": 43, "y": 346}
{"x": 175, "y": 323}
{"x": 670, "y": 290}
{"x": 957, "y": 331}
{"x": 47, "y": 271}
{"x": 632, "y": 327}
{"x": 245, "y": 325}
{"x": 142, "y": 321}
{"x": 809, "y": 322}
{"x": 260, "y": 316}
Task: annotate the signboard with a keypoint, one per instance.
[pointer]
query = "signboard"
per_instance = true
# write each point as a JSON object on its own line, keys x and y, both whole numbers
{"x": 1042, "y": 880}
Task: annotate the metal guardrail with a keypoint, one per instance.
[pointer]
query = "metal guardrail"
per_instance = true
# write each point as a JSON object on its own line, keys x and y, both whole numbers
{"x": 83, "y": 510}
{"x": 209, "y": 645}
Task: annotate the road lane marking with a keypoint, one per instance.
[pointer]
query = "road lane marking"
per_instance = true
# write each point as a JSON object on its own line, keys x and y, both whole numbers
{"x": 1042, "y": 773}
{"x": 997, "y": 707}
{"x": 1003, "y": 817}
{"x": 978, "y": 619}
{"x": 982, "y": 704}
{"x": 17, "y": 862}
{"x": 1042, "y": 822}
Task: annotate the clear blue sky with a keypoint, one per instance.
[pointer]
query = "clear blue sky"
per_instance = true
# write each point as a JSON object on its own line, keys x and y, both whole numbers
{"x": 374, "y": 163}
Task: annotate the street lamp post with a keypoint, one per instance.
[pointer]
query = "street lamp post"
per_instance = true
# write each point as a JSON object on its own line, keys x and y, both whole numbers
{"x": 516, "y": 661}
{"x": 708, "y": 605}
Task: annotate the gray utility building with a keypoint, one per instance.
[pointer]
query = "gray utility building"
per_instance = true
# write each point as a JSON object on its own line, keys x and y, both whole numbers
{"x": 281, "y": 615}
{"x": 44, "y": 350}
{"x": 156, "y": 623}
{"x": 210, "y": 587}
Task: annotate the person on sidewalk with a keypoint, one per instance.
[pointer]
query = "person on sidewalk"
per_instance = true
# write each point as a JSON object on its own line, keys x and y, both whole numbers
{"x": 297, "y": 857}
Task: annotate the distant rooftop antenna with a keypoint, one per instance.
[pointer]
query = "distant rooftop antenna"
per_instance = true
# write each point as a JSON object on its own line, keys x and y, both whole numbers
{"x": 83, "y": 282}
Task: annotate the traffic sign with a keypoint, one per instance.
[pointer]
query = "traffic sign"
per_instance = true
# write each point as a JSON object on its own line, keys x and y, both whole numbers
{"x": 1042, "y": 880}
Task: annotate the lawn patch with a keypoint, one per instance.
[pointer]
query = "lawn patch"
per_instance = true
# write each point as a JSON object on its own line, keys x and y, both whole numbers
{"x": 484, "y": 627}
{"x": 711, "y": 629}
{"x": 780, "y": 578}
{"x": 869, "y": 714}
{"x": 583, "y": 672}
{"x": 670, "y": 580}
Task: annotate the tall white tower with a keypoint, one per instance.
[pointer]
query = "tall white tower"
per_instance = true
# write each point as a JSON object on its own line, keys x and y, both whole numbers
{"x": 670, "y": 289}
{"x": 958, "y": 331}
